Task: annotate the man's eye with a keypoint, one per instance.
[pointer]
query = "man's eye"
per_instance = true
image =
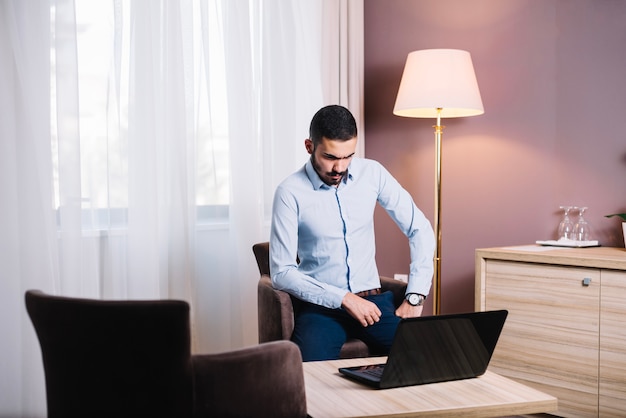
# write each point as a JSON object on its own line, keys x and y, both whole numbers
{"x": 335, "y": 158}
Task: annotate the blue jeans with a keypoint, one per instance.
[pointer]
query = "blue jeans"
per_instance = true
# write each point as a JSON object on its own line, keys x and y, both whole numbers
{"x": 320, "y": 332}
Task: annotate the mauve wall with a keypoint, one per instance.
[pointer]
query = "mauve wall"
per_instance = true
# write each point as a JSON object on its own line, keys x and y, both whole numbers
{"x": 552, "y": 76}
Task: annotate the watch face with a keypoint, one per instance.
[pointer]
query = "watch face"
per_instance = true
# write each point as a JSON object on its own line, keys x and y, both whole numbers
{"x": 414, "y": 299}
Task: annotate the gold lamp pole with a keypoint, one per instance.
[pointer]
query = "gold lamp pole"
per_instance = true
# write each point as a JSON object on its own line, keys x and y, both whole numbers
{"x": 437, "y": 216}
{"x": 438, "y": 83}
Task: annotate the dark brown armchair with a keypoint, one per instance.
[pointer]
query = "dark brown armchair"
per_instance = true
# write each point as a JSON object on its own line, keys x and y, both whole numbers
{"x": 276, "y": 308}
{"x": 133, "y": 359}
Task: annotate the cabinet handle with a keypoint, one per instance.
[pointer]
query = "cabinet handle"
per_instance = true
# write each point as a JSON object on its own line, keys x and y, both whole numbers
{"x": 586, "y": 281}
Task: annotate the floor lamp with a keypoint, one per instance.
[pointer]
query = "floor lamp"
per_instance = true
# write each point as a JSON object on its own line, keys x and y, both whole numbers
{"x": 438, "y": 83}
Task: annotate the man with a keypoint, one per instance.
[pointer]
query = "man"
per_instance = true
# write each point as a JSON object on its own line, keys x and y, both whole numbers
{"x": 323, "y": 215}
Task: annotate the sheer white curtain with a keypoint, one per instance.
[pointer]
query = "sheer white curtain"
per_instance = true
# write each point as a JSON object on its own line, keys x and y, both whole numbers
{"x": 147, "y": 170}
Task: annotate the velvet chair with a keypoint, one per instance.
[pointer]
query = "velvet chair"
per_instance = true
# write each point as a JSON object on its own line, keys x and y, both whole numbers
{"x": 133, "y": 359}
{"x": 276, "y": 308}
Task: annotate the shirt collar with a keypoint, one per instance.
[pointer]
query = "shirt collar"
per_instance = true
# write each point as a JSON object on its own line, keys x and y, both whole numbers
{"x": 317, "y": 182}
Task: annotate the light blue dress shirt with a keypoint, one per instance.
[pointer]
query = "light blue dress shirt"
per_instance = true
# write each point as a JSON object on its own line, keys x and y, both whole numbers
{"x": 331, "y": 230}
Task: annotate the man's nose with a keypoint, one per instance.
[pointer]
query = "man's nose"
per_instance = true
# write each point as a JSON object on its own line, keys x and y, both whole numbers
{"x": 340, "y": 166}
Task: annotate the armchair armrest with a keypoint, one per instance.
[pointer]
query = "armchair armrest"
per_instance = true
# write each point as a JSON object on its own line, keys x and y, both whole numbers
{"x": 275, "y": 310}
{"x": 396, "y": 286}
{"x": 266, "y": 380}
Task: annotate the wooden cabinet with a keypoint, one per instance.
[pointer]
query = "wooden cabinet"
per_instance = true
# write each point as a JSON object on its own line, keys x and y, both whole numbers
{"x": 566, "y": 330}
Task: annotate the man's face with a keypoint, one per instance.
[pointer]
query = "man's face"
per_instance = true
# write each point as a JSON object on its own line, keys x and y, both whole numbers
{"x": 331, "y": 158}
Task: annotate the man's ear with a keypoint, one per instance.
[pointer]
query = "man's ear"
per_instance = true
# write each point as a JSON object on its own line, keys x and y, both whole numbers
{"x": 308, "y": 144}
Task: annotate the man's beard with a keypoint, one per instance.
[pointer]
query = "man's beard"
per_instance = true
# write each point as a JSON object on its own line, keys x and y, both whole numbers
{"x": 331, "y": 178}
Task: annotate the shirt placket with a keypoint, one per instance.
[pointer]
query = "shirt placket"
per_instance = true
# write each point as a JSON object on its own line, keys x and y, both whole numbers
{"x": 345, "y": 233}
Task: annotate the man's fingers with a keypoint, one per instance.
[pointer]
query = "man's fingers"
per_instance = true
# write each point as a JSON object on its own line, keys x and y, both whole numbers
{"x": 371, "y": 318}
{"x": 366, "y": 312}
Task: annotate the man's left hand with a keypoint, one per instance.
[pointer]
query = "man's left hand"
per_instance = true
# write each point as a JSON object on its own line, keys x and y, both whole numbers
{"x": 406, "y": 310}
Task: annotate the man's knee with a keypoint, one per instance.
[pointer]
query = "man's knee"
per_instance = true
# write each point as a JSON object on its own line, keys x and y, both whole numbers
{"x": 319, "y": 336}
{"x": 318, "y": 345}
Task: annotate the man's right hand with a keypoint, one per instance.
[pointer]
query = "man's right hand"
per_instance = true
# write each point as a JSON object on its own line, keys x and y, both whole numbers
{"x": 364, "y": 311}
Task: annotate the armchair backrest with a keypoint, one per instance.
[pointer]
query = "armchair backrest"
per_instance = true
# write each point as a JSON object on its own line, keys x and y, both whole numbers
{"x": 114, "y": 358}
{"x": 262, "y": 256}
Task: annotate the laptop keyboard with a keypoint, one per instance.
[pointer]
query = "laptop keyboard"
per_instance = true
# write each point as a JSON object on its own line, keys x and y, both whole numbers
{"x": 374, "y": 371}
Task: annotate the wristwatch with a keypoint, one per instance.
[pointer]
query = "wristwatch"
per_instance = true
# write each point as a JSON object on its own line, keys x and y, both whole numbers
{"x": 415, "y": 299}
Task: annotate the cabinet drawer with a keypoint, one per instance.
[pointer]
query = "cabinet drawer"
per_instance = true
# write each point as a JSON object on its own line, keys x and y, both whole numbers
{"x": 613, "y": 344}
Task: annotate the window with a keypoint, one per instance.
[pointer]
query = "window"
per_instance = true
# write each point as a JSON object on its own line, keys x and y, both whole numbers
{"x": 90, "y": 118}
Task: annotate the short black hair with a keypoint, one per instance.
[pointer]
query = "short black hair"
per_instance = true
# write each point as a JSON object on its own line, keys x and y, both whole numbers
{"x": 332, "y": 122}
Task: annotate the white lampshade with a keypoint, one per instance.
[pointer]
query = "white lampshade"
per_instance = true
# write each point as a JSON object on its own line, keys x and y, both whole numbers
{"x": 438, "y": 78}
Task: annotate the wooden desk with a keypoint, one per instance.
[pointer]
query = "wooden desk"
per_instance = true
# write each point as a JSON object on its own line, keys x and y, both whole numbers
{"x": 329, "y": 394}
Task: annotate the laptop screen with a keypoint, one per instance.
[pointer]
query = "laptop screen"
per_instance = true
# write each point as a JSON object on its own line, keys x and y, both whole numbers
{"x": 440, "y": 350}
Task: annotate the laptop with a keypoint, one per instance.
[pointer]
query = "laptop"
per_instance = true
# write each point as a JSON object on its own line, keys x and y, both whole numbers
{"x": 432, "y": 349}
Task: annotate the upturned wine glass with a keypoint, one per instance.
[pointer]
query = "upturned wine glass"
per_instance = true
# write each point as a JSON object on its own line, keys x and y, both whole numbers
{"x": 582, "y": 230}
{"x": 566, "y": 226}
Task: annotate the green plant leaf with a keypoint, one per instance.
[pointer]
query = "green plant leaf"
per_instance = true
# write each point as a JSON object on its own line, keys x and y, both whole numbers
{"x": 621, "y": 215}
